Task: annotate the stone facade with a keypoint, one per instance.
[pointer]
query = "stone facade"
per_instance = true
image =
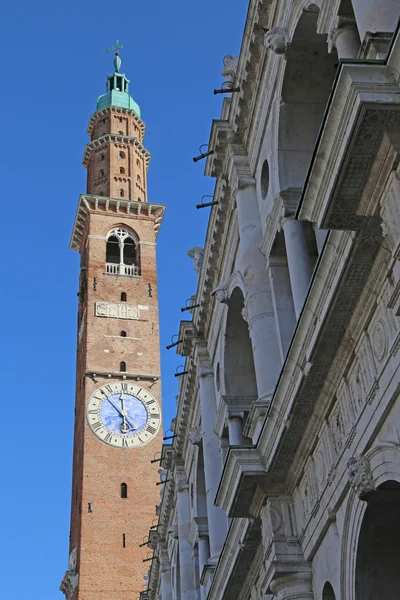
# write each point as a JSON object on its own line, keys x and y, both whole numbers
{"x": 283, "y": 476}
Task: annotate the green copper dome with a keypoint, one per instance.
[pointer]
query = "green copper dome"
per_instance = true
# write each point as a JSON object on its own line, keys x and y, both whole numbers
{"x": 117, "y": 93}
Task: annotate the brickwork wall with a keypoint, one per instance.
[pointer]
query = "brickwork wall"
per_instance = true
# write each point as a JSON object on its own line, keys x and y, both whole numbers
{"x": 107, "y": 570}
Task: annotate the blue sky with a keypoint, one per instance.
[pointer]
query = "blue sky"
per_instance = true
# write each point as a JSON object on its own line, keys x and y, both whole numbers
{"x": 53, "y": 70}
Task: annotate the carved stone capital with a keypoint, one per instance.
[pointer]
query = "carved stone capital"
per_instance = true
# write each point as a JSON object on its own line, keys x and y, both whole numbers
{"x": 338, "y": 26}
{"x": 221, "y": 293}
{"x": 181, "y": 482}
{"x": 195, "y": 435}
{"x": 293, "y": 585}
{"x": 360, "y": 476}
{"x": 277, "y": 40}
{"x": 202, "y": 359}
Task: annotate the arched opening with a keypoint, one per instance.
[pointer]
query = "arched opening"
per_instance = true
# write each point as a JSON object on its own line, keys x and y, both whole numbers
{"x": 123, "y": 296}
{"x": 239, "y": 373}
{"x": 139, "y": 180}
{"x": 101, "y": 173}
{"x": 130, "y": 252}
{"x": 378, "y": 548}
{"x": 307, "y": 83}
{"x": 328, "y": 593}
{"x": 122, "y": 154}
{"x": 120, "y": 133}
{"x": 122, "y": 367}
{"x": 124, "y": 490}
{"x": 121, "y": 193}
{"x": 112, "y": 250}
{"x": 138, "y": 162}
{"x": 102, "y": 157}
{"x": 123, "y": 334}
{"x": 121, "y": 171}
{"x": 122, "y": 250}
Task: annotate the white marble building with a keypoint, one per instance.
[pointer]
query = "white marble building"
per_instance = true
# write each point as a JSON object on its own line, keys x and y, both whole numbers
{"x": 283, "y": 478}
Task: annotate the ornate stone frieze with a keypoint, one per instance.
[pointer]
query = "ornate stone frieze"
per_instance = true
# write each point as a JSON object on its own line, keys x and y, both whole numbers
{"x": 70, "y": 580}
{"x": 195, "y": 435}
{"x": 118, "y": 311}
{"x": 360, "y": 476}
{"x": 277, "y": 40}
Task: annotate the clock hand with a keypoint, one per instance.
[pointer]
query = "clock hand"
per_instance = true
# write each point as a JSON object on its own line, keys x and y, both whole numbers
{"x": 123, "y": 415}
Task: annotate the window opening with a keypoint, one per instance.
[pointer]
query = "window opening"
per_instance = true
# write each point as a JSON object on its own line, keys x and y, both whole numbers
{"x": 113, "y": 251}
{"x": 101, "y": 156}
{"x": 124, "y": 490}
{"x": 122, "y": 367}
{"x": 121, "y": 171}
{"x": 123, "y": 296}
{"x": 123, "y": 334}
{"x": 122, "y": 154}
{"x": 123, "y": 541}
{"x": 139, "y": 179}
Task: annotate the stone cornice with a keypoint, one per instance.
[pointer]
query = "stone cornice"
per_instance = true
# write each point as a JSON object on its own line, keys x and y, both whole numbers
{"x": 122, "y": 140}
{"x": 364, "y": 105}
{"x": 220, "y": 135}
{"x": 114, "y": 109}
{"x": 118, "y": 207}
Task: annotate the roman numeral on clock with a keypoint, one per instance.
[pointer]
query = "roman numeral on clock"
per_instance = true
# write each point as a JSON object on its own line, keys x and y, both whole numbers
{"x": 124, "y": 387}
{"x": 109, "y": 389}
{"x": 154, "y": 416}
{"x": 92, "y": 412}
{"x": 96, "y": 426}
{"x": 150, "y": 402}
{"x": 108, "y": 437}
{"x": 150, "y": 429}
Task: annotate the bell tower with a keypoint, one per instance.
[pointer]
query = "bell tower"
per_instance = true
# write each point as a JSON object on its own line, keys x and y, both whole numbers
{"x": 118, "y": 391}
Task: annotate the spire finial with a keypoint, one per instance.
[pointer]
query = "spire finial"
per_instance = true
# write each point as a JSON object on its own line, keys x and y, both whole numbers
{"x": 117, "y": 60}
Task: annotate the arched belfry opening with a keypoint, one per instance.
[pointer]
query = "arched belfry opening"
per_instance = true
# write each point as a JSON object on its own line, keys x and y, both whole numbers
{"x": 378, "y": 548}
{"x": 122, "y": 252}
{"x": 239, "y": 373}
{"x": 308, "y": 78}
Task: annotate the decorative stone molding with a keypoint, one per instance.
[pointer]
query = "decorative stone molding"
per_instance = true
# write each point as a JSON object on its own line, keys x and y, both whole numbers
{"x": 221, "y": 293}
{"x": 277, "y": 40}
{"x": 360, "y": 476}
{"x": 195, "y": 435}
{"x": 172, "y": 531}
{"x": 70, "y": 580}
{"x": 196, "y": 254}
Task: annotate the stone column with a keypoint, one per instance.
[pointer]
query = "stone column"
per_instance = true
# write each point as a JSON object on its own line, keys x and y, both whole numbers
{"x": 259, "y": 304}
{"x": 294, "y": 586}
{"x": 204, "y": 555}
{"x": 300, "y": 269}
{"x": 217, "y": 523}
{"x": 187, "y": 580}
{"x": 376, "y": 15}
{"x": 344, "y": 37}
{"x": 235, "y": 428}
{"x": 283, "y": 301}
{"x": 166, "y": 587}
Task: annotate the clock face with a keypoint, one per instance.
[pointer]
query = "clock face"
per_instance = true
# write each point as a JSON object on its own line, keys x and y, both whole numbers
{"x": 123, "y": 415}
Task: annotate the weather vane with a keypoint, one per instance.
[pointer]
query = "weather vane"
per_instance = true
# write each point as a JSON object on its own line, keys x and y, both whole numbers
{"x": 117, "y": 60}
{"x": 117, "y": 46}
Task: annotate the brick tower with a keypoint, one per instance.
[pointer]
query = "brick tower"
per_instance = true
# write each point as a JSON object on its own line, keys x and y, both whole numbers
{"x": 118, "y": 390}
